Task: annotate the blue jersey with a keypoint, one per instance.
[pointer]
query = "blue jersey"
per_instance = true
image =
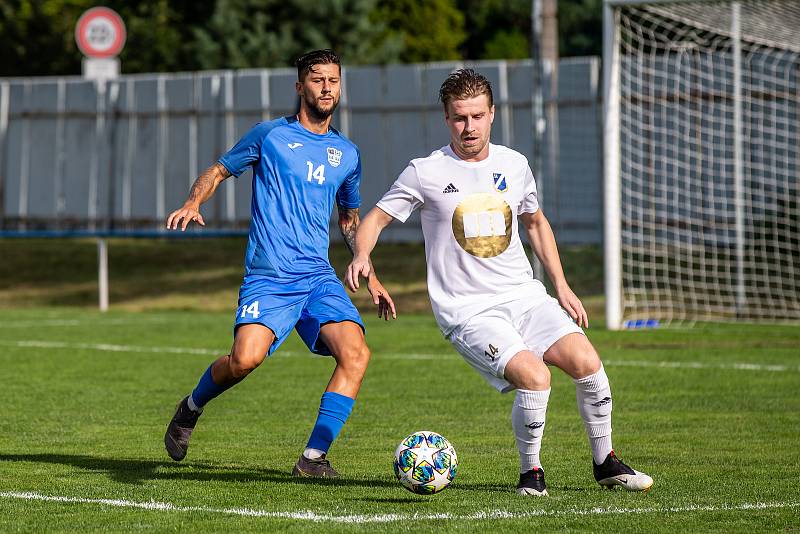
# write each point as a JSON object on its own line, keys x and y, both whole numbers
{"x": 297, "y": 175}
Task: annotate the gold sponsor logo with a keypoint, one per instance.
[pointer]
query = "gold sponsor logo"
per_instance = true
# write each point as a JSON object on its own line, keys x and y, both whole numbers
{"x": 482, "y": 225}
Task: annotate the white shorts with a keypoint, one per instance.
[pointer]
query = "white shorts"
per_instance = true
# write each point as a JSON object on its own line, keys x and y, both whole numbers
{"x": 490, "y": 339}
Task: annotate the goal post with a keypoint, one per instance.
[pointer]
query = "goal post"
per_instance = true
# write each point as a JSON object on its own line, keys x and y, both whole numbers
{"x": 702, "y": 157}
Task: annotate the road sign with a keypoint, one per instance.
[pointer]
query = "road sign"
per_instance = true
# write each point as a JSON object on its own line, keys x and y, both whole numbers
{"x": 100, "y": 33}
{"x": 101, "y": 68}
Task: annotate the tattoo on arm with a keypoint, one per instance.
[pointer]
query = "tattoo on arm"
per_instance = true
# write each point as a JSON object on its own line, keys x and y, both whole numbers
{"x": 206, "y": 183}
{"x": 348, "y": 224}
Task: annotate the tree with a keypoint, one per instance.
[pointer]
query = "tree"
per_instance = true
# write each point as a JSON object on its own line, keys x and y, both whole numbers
{"x": 171, "y": 35}
{"x": 501, "y": 29}
{"x": 429, "y": 31}
{"x": 498, "y": 29}
{"x": 507, "y": 44}
{"x": 580, "y": 27}
{"x": 38, "y": 37}
{"x": 271, "y": 33}
{"x": 161, "y": 34}
{"x": 39, "y": 40}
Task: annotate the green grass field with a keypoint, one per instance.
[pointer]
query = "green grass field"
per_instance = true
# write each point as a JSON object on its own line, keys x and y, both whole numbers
{"x": 712, "y": 413}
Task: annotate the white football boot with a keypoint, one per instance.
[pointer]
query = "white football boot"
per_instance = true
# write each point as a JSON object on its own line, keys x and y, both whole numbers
{"x": 612, "y": 472}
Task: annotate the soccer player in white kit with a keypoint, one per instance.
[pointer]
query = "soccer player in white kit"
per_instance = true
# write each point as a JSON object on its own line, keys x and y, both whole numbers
{"x": 472, "y": 195}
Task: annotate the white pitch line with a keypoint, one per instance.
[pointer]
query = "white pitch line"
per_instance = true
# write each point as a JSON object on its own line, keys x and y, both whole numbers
{"x": 309, "y": 515}
{"x": 45, "y": 322}
{"x": 36, "y": 323}
{"x": 108, "y": 347}
{"x": 700, "y": 365}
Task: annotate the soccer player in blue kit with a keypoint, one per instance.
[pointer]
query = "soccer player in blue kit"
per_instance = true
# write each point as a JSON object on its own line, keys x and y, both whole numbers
{"x": 301, "y": 165}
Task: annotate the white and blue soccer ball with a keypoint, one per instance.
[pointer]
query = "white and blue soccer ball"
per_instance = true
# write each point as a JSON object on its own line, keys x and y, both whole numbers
{"x": 425, "y": 462}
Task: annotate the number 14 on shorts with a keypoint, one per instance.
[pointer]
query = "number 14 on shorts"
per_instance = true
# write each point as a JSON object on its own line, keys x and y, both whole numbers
{"x": 251, "y": 310}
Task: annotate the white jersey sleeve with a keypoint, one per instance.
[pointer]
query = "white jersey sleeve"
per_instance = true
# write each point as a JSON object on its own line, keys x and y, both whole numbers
{"x": 404, "y": 196}
{"x": 530, "y": 198}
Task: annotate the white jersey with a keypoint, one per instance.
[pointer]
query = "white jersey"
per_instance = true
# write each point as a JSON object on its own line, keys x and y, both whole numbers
{"x": 469, "y": 220}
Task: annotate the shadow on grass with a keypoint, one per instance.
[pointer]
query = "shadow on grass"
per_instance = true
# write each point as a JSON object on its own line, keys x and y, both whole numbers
{"x": 130, "y": 471}
{"x": 407, "y": 500}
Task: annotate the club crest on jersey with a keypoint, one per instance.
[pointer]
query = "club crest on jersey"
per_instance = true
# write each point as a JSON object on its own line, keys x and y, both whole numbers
{"x": 334, "y": 156}
{"x": 500, "y": 182}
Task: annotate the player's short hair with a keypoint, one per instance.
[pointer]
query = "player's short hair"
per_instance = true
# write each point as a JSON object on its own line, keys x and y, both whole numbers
{"x": 306, "y": 62}
{"x": 463, "y": 84}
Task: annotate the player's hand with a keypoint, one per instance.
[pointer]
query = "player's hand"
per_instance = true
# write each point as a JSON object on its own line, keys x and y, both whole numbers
{"x": 358, "y": 267}
{"x": 570, "y": 302}
{"x": 186, "y": 214}
{"x": 381, "y": 298}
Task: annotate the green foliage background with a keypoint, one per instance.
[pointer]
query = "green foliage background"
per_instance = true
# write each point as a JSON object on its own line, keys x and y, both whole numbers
{"x": 180, "y": 35}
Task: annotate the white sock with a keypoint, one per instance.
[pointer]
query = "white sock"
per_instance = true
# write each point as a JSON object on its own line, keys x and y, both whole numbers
{"x": 593, "y": 394}
{"x": 192, "y": 405}
{"x": 527, "y": 419}
{"x": 313, "y": 454}
{"x": 600, "y": 448}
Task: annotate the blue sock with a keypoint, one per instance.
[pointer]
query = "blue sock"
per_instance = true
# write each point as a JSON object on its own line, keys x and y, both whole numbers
{"x": 206, "y": 389}
{"x": 334, "y": 409}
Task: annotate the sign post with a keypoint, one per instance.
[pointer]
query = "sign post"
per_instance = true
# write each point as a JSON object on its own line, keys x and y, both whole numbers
{"x": 100, "y": 34}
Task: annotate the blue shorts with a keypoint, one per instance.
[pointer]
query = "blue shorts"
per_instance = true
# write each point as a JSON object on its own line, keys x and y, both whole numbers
{"x": 305, "y": 305}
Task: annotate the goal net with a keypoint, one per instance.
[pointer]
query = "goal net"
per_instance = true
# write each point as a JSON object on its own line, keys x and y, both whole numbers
{"x": 702, "y": 156}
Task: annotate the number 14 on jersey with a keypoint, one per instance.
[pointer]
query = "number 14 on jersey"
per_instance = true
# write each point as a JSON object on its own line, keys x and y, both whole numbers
{"x": 317, "y": 174}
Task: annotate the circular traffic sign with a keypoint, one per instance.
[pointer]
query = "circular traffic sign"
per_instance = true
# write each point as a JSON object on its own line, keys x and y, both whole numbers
{"x": 100, "y": 33}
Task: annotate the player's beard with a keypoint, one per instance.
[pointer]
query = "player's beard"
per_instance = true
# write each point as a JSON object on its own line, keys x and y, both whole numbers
{"x": 475, "y": 147}
{"x": 316, "y": 111}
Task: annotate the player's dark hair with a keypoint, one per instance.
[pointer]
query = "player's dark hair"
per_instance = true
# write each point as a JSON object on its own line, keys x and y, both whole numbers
{"x": 463, "y": 84}
{"x": 306, "y": 62}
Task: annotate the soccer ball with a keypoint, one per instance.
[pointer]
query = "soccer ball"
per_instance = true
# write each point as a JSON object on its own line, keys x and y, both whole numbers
{"x": 425, "y": 462}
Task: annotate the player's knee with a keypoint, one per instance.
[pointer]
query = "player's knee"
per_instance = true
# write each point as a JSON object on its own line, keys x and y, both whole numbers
{"x": 535, "y": 378}
{"x": 540, "y": 378}
{"x": 362, "y": 356}
{"x": 588, "y": 363}
{"x": 356, "y": 358}
{"x": 241, "y": 365}
{"x": 527, "y": 371}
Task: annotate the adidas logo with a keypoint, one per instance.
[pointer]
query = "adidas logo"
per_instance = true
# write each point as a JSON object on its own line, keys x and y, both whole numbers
{"x": 450, "y": 188}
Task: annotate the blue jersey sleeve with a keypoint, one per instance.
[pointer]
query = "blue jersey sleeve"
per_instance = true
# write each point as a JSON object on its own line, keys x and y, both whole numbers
{"x": 348, "y": 195}
{"x": 247, "y": 151}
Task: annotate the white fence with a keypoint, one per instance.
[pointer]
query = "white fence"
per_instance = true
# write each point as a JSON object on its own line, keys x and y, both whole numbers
{"x": 76, "y": 158}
